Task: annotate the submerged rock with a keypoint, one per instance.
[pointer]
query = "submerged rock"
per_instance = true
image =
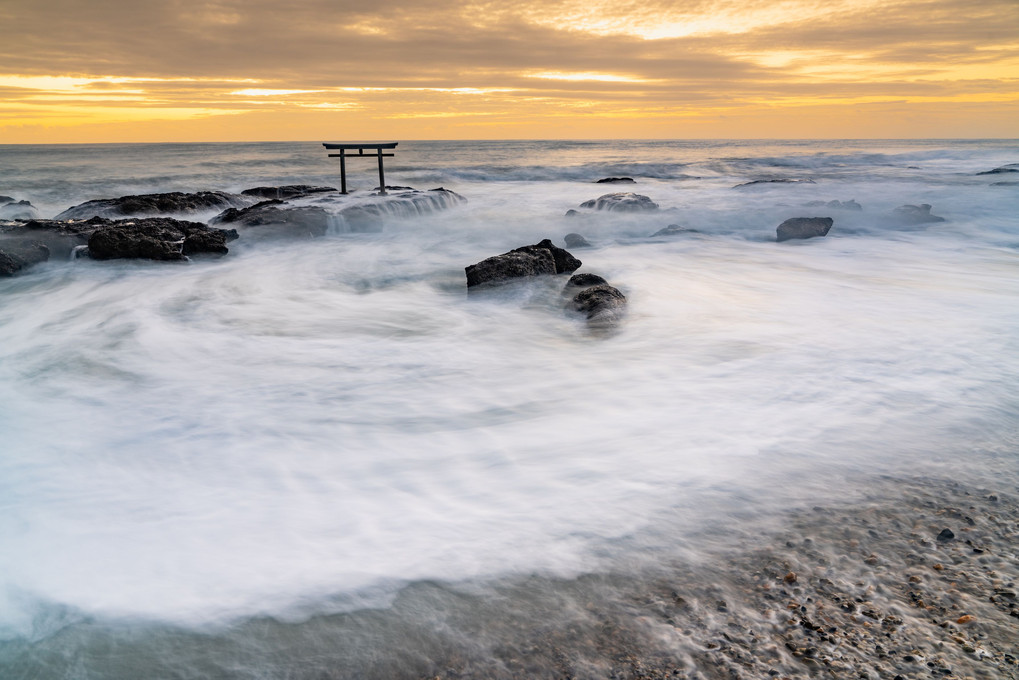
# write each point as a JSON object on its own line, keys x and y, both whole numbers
{"x": 16, "y": 255}
{"x": 851, "y": 204}
{"x": 616, "y": 180}
{"x": 173, "y": 203}
{"x": 527, "y": 261}
{"x": 1013, "y": 167}
{"x": 673, "y": 230}
{"x": 804, "y": 227}
{"x": 591, "y": 295}
{"x": 574, "y": 240}
{"x": 406, "y": 203}
{"x": 285, "y": 192}
{"x": 18, "y": 210}
{"x": 759, "y": 182}
{"x": 621, "y": 202}
{"x": 915, "y": 214}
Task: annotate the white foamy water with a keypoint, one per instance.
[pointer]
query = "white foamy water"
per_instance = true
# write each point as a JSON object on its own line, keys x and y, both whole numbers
{"x": 304, "y": 427}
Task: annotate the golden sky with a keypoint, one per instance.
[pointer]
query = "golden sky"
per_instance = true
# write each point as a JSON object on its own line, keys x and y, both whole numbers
{"x": 235, "y": 70}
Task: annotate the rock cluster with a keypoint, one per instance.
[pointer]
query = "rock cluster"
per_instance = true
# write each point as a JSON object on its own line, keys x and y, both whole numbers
{"x": 589, "y": 294}
{"x": 173, "y": 203}
{"x": 851, "y": 204}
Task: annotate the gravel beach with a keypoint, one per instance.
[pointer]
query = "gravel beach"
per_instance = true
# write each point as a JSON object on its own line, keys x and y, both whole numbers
{"x": 919, "y": 580}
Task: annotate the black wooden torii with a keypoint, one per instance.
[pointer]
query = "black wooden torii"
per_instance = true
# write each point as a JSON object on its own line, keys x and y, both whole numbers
{"x": 343, "y": 147}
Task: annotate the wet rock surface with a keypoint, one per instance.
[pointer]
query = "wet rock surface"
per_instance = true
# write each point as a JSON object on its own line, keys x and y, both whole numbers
{"x": 528, "y": 261}
{"x": 286, "y": 192}
{"x": 16, "y": 255}
{"x": 616, "y": 180}
{"x": 804, "y": 227}
{"x": 156, "y": 238}
{"x": 839, "y": 591}
{"x": 673, "y": 230}
{"x": 277, "y": 218}
{"x": 621, "y": 202}
{"x": 173, "y": 203}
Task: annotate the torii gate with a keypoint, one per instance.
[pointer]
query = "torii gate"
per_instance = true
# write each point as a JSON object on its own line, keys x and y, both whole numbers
{"x": 343, "y": 147}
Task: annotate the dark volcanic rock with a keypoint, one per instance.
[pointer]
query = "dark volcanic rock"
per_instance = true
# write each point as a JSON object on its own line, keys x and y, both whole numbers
{"x": 851, "y": 204}
{"x": 759, "y": 182}
{"x": 621, "y": 202}
{"x": 541, "y": 258}
{"x": 804, "y": 227}
{"x": 616, "y": 180}
{"x": 673, "y": 230}
{"x": 580, "y": 281}
{"x": 279, "y": 217}
{"x": 156, "y": 238}
{"x": 574, "y": 240}
{"x": 915, "y": 214}
{"x": 174, "y": 203}
{"x": 285, "y": 192}
{"x": 19, "y": 254}
{"x": 18, "y": 210}
{"x": 6, "y": 199}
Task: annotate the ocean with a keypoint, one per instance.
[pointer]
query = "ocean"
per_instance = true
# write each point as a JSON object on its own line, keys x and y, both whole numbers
{"x": 318, "y": 458}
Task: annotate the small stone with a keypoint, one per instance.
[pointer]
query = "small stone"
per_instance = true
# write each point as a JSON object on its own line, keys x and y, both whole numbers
{"x": 965, "y": 618}
{"x": 946, "y": 535}
{"x": 938, "y": 567}
{"x": 790, "y": 577}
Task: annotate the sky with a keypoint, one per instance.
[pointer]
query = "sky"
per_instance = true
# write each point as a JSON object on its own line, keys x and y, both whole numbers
{"x": 77, "y": 71}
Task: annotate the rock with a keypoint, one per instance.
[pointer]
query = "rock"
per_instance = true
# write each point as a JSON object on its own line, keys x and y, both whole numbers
{"x": 946, "y": 535}
{"x": 60, "y": 237}
{"x": 174, "y": 203}
{"x": 603, "y": 305}
{"x": 156, "y": 238}
{"x": 574, "y": 240}
{"x": 758, "y": 182}
{"x": 536, "y": 260}
{"x": 804, "y": 227}
{"x": 6, "y": 199}
{"x": 284, "y": 220}
{"x": 17, "y": 255}
{"x": 851, "y": 204}
{"x": 573, "y": 213}
{"x": 18, "y": 210}
{"x": 578, "y": 282}
{"x": 1013, "y": 167}
{"x": 673, "y": 230}
{"x": 621, "y": 202}
{"x": 915, "y": 214}
{"x": 616, "y": 180}
{"x": 406, "y": 202}
{"x": 1005, "y": 184}
{"x": 285, "y": 192}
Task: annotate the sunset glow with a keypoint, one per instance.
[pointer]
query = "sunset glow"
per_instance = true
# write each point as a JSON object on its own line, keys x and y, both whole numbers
{"x": 175, "y": 70}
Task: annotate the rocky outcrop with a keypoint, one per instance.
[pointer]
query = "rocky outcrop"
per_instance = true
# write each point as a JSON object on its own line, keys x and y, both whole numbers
{"x": 543, "y": 258}
{"x": 157, "y": 238}
{"x": 804, "y": 227}
{"x": 286, "y": 192}
{"x": 915, "y": 214}
{"x": 406, "y": 202}
{"x": 574, "y": 240}
{"x": 851, "y": 204}
{"x": 621, "y": 202}
{"x": 616, "y": 180}
{"x": 761, "y": 182}
{"x": 589, "y": 294}
{"x": 277, "y": 218}
{"x": 16, "y": 255}
{"x": 174, "y": 203}
{"x": 17, "y": 210}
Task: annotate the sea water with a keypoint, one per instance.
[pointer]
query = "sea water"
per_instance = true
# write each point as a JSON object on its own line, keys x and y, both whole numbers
{"x": 201, "y": 463}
